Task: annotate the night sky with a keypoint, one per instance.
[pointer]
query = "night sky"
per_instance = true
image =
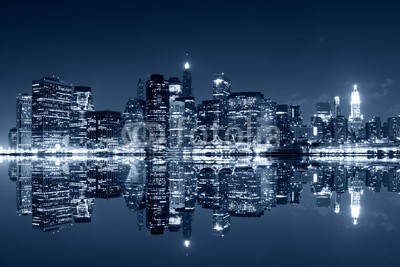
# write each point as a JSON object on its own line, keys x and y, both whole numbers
{"x": 295, "y": 52}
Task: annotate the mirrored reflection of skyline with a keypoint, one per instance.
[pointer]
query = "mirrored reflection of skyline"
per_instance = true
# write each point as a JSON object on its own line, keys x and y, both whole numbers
{"x": 165, "y": 194}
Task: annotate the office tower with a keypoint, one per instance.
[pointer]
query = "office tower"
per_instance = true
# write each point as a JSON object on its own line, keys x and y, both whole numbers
{"x": 189, "y": 120}
{"x": 51, "y": 107}
{"x": 12, "y": 138}
{"x": 140, "y": 90}
{"x": 355, "y": 118}
{"x": 187, "y": 90}
{"x": 393, "y": 125}
{"x": 373, "y": 129}
{"x": 296, "y": 119}
{"x": 82, "y": 102}
{"x": 283, "y": 123}
{"x": 324, "y": 111}
{"x": 244, "y": 116}
{"x": 51, "y": 200}
{"x": 221, "y": 86}
{"x": 207, "y": 123}
{"x": 133, "y": 124}
{"x": 336, "y": 109}
{"x": 157, "y": 111}
{"x": 104, "y": 129}
{"x": 221, "y": 91}
{"x": 24, "y": 121}
{"x": 340, "y": 128}
{"x": 176, "y": 113}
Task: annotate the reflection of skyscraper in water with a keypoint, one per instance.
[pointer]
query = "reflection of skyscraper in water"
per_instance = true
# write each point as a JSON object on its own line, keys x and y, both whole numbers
{"x": 268, "y": 186}
{"x": 322, "y": 186}
{"x": 244, "y": 192}
{"x": 82, "y": 205}
{"x": 221, "y": 214}
{"x": 355, "y": 191}
{"x": 24, "y": 187}
{"x": 208, "y": 188}
{"x": 51, "y": 200}
{"x": 177, "y": 194}
{"x": 157, "y": 199}
{"x": 339, "y": 185}
{"x": 104, "y": 179}
{"x": 284, "y": 174}
{"x": 12, "y": 170}
{"x": 134, "y": 186}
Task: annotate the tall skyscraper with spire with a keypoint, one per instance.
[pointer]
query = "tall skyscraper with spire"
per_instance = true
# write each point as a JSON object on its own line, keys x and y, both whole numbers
{"x": 355, "y": 118}
{"x": 187, "y": 90}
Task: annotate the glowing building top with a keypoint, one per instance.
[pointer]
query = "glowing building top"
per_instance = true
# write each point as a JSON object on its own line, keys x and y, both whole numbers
{"x": 355, "y": 118}
{"x": 187, "y": 66}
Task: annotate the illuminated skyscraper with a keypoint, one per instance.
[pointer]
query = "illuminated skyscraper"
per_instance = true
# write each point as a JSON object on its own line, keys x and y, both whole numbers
{"x": 337, "y": 110}
{"x": 355, "y": 118}
{"x": 187, "y": 82}
{"x": 176, "y": 113}
{"x": 51, "y": 107}
{"x": 24, "y": 121}
{"x": 133, "y": 124}
{"x": 157, "y": 111}
{"x": 82, "y": 102}
{"x": 244, "y": 113}
{"x": 104, "y": 130}
{"x": 12, "y": 138}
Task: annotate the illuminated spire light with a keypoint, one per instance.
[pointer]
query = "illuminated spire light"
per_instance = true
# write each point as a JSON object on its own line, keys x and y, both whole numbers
{"x": 187, "y": 66}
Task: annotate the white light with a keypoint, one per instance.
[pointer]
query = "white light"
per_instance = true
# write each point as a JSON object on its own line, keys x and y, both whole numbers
{"x": 187, "y": 66}
{"x": 186, "y": 243}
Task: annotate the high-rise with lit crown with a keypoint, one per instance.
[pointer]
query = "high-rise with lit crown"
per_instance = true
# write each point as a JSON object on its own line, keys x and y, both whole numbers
{"x": 355, "y": 118}
{"x": 187, "y": 81}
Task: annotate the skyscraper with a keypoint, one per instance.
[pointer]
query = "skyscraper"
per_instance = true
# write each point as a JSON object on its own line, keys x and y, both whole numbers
{"x": 133, "y": 123}
{"x": 82, "y": 102}
{"x": 337, "y": 110}
{"x": 157, "y": 111}
{"x": 244, "y": 113}
{"x": 187, "y": 81}
{"x": 355, "y": 118}
{"x": 24, "y": 121}
{"x": 221, "y": 91}
{"x": 104, "y": 129}
{"x": 51, "y": 107}
{"x": 12, "y": 138}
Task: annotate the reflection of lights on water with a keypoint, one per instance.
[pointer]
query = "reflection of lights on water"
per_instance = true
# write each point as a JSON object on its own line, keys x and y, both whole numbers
{"x": 186, "y": 243}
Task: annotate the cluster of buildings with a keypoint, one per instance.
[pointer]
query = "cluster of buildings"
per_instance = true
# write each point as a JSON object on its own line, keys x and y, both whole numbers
{"x": 164, "y": 115}
{"x": 165, "y": 193}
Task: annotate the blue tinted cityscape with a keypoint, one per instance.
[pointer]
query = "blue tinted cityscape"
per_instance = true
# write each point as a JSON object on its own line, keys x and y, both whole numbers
{"x": 164, "y": 119}
{"x": 211, "y": 133}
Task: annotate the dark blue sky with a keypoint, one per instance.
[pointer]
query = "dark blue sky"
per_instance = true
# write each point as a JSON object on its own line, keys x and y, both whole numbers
{"x": 295, "y": 52}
